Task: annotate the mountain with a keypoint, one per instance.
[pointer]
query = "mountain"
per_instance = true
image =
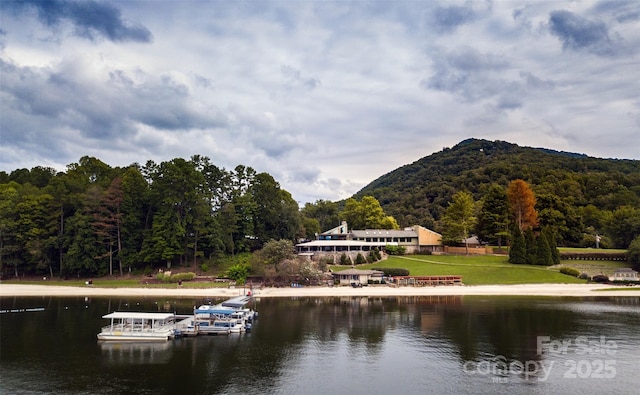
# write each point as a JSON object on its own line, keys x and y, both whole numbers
{"x": 418, "y": 193}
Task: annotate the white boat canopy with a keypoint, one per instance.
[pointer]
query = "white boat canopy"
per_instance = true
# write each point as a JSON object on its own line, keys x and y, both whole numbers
{"x": 125, "y": 315}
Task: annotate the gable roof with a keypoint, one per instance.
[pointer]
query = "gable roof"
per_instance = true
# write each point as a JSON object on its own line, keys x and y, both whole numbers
{"x": 338, "y": 230}
{"x": 625, "y": 270}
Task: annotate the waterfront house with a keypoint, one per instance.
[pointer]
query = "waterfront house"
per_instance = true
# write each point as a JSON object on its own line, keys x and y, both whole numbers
{"x": 340, "y": 240}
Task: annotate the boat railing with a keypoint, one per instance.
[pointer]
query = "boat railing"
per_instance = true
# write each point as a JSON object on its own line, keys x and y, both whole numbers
{"x": 138, "y": 328}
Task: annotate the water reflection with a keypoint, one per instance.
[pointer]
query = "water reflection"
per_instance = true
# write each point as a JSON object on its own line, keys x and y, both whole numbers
{"x": 136, "y": 352}
{"x": 322, "y": 345}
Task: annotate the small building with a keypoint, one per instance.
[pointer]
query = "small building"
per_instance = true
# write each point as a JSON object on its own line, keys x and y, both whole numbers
{"x": 357, "y": 276}
{"x": 625, "y": 274}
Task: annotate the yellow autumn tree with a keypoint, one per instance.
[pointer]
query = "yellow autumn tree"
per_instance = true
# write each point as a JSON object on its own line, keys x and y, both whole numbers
{"x": 522, "y": 204}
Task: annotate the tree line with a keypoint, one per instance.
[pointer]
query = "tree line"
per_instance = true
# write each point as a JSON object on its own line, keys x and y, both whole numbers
{"x": 94, "y": 219}
{"x": 510, "y": 215}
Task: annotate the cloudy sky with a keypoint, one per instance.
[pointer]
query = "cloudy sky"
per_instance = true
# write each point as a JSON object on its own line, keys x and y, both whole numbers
{"x": 326, "y": 96}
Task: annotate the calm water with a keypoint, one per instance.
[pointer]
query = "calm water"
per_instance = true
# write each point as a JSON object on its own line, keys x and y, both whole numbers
{"x": 412, "y": 345}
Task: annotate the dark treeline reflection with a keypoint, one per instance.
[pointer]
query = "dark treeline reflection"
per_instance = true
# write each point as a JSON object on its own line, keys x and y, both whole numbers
{"x": 58, "y": 339}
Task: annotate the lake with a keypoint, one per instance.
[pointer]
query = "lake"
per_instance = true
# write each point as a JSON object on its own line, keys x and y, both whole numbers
{"x": 350, "y": 345}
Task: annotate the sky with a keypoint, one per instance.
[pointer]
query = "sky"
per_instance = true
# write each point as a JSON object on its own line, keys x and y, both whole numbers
{"x": 326, "y": 96}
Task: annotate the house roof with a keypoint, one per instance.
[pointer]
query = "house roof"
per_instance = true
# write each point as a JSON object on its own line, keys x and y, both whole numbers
{"x": 342, "y": 243}
{"x": 338, "y": 230}
{"x": 625, "y": 270}
{"x": 384, "y": 233}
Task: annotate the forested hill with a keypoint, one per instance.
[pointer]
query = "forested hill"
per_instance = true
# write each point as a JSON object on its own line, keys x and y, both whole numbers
{"x": 418, "y": 193}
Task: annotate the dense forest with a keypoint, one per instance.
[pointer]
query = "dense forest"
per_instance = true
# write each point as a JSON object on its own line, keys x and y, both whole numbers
{"x": 93, "y": 219}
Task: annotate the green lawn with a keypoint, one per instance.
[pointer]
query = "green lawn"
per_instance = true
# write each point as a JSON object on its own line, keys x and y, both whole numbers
{"x": 474, "y": 269}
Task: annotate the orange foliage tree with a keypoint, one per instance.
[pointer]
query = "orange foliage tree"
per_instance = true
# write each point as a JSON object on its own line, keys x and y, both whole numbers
{"x": 522, "y": 203}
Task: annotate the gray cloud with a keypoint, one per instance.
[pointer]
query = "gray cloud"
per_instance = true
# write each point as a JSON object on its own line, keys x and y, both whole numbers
{"x": 535, "y": 82}
{"x": 90, "y": 19}
{"x": 468, "y": 73}
{"x": 295, "y": 78}
{"x": 447, "y": 19}
{"x": 64, "y": 97}
{"x": 622, "y": 11}
{"x": 325, "y": 96}
{"x": 578, "y": 33}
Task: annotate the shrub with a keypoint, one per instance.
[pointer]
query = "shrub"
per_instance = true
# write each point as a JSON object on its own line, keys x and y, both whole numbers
{"x": 377, "y": 254}
{"x": 395, "y": 250}
{"x": 167, "y": 277}
{"x": 204, "y": 267}
{"x": 344, "y": 259}
{"x": 583, "y": 276}
{"x": 188, "y": 276}
{"x": 393, "y": 271}
{"x": 238, "y": 272}
{"x": 326, "y": 260}
{"x": 600, "y": 278}
{"x": 570, "y": 271}
{"x": 360, "y": 259}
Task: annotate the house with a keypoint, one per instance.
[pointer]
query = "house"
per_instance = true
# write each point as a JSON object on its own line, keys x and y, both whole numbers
{"x": 340, "y": 240}
{"x": 625, "y": 274}
{"x": 356, "y": 276}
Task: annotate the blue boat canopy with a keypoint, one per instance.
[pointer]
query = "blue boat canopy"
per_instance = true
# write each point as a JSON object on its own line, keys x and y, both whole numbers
{"x": 218, "y": 310}
{"x": 237, "y": 302}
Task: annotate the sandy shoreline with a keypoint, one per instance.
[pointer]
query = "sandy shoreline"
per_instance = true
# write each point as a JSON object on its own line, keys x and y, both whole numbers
{"x": 577, "y": 290}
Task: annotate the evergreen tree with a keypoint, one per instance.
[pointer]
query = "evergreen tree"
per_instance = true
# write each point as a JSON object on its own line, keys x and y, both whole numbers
{"x": 543, "y": 252}
{"x": 553, "y": 247}
{"x": 531, "y": 248}
{"x": 518, "y": 251}
{"x": 493, "y": 218}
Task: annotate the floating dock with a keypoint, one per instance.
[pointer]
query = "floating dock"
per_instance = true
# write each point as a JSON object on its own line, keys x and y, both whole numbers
{"x": 224, "y": 318}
